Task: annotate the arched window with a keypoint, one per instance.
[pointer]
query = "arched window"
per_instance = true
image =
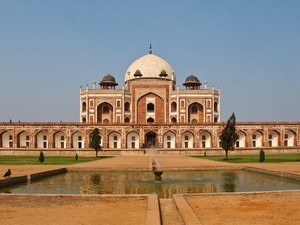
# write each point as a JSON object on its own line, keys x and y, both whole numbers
{"x": 173, "y": 120}
{"x": 150, "y": 120}
{"x": 84, "y": 120}
{"x": 84, "y": 107}
{"x": 105, "y": 110}
{"x": 168, "y": 137}
{"x": 44, "y": 137}
{"x": 115, "y": 138}
{"x": 127, "y": 120}
{"x": 173, "y": 107}
{"x": 10, "y": 137}
{"x": 133, "y": 138}
{"x": 62, "y": 138}
{"x": 194, "y": 110}
{"x": 79, "y": 138}
{"x": 127, "y": 107}
{"x": 216, "y": 107}
{"x": 186, "y": 137}
{"x": 150, "y": 107}
{"x": 118, "y": 104}
{"x": 27, "y": 138}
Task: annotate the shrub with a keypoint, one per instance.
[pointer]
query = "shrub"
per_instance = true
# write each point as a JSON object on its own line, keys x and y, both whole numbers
{"x": 261, "y": 156}
{"x": 76, "y": 157}
{"x": 42, "y": 157}
{"x": 204, "y": 154}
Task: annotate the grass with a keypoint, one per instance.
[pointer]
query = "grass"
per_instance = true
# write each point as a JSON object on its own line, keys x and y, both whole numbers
{"x": 270, "y": 158}
{"x": 49, "y": 160}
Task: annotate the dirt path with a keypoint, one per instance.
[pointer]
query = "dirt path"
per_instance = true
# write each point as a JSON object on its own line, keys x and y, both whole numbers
{"x": 273, "y": 208}
{"x": 70, "y": 210}
{"x": 117, "y": 163}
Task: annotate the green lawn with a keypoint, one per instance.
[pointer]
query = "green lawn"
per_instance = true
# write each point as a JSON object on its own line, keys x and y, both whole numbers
{"x": 270, "y": 158}
{"x": 49, "y": 160}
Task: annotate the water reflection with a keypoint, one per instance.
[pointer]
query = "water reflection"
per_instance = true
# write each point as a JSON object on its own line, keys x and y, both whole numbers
{"x": 143, "y": 183}
{"x": 229, "y": 181}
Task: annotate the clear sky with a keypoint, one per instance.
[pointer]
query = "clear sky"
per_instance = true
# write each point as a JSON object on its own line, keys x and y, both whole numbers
{"x": 48, "y": 48}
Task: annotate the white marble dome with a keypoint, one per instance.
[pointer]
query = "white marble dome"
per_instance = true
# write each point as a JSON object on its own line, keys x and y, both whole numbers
{"x": 150, "y": 66}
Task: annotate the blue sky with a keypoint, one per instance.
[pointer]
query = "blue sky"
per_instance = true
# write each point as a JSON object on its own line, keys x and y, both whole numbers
{"x": 48, "y": 48}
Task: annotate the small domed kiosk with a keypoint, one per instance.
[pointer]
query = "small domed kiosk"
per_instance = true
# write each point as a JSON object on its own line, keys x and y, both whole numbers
{"x": 192, "y": 83}
{"x": 108, "y": 82}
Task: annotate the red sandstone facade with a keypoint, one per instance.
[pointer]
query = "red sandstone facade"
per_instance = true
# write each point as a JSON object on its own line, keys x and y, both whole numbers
{"x": 148, "y": 113}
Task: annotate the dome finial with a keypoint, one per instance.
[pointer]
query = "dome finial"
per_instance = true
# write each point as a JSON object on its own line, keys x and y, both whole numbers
{"x": 150, "y": 49}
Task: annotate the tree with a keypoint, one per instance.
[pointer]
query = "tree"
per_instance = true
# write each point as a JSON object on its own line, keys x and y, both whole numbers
{"x": 229, "y": 135}
{"x": 41, "y": 157}
{"x": 261, "y": 156}
{"x": 95, "y": 141}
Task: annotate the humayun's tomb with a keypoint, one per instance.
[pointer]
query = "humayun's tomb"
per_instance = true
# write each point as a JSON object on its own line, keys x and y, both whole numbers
{"x": 148, "y": 114}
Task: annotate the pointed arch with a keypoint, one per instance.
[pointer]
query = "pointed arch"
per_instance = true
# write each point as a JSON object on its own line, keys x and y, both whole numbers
{"x": 83, "y": 107}
{"x": 114, "y": 139}
{"x": 78, "y": 139}
{"x": 23, "y": 139}
{"x": 241, "y": 140}
{"x": 187, "y": 139}
{"x": 257, "y": 139}
{"x": 174, "y": 119}
{"x": 133, "y": 140}
{"x": 290, "y": 138}
{"x": 6, "y": 139}
{"x": 127, "y": 107}
{"x": 169, "y": 138}
{"x": 59, "y": 140}
{"x": 151, "y": 139}
{"x": 195, "y": 113}
{"x": 205, "y": 139}
{"x": 150, "y": 105}
{"x": 173, "y": 107}
{"x": 105, "y": 113}
{"x": 273, "y": 138}
{"x": 41, "y": 139}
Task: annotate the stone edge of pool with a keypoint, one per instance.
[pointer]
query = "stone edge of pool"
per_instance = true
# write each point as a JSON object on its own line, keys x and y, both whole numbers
{"x": 23, "y": 178}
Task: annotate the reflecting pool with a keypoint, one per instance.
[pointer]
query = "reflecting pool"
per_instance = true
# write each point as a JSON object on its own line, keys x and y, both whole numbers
{"x": 139, "y": 182}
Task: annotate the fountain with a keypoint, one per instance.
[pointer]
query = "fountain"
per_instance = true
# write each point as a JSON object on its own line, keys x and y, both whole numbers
{"x": 157, "y": 173}
{"x": 155, "y": 169}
